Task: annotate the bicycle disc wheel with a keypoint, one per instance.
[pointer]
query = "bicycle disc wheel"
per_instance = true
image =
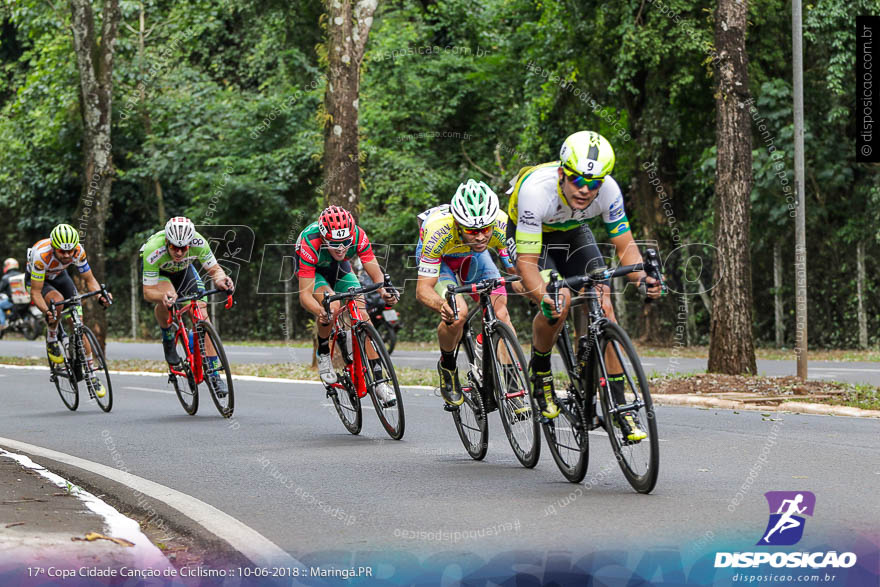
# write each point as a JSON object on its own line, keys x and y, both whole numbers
{"x": 639, "y": 460}
{"x": 344, "y": 395}
{"x": 512, "y": 391}
{"x": 470, "y": 418}
{"x": 99, "y": 371}
{"x": 225, "y": 403}
{"x": 390, "y": 409}
{"x": 185, "y": 387}
{"x": 63, "y": 377}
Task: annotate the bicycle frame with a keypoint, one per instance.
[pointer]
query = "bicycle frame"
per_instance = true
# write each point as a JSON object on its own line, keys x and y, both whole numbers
{"x": 193, "y": 355}
{"x": 488, "y": 321}
{"x": 356, "y": 365}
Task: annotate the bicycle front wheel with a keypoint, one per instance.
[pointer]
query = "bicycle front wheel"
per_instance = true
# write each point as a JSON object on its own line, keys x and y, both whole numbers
{"x": 225, "y": 401}
{"x": 512, "y": 393}
{"x": 98, "y": 372}
{"x": 64, "y": 379}
{"x": 470, "y": 418}
{"x": 639, "y": 460}
{"x": 344, "y": 395}
{"x": 185, "y": 386}
{"x": 381, "y": 381}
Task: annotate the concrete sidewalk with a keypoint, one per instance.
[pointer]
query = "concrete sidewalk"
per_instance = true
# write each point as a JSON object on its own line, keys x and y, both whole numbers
{"x": 48, "y": 531}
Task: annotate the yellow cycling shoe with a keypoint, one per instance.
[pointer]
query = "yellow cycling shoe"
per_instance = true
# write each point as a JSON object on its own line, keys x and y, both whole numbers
{"x": 53, "y": 349}
{"x": 632, "y": 431}
{"x": 100, "y": 391}
{"x": 544, "y": 394}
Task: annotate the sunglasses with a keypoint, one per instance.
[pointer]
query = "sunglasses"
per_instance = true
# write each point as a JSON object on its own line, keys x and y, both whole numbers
{"x": 343, "y": 244}
{"x": 475, "y": 231}
{"x": 175, "y": 248}
{"x": 579, "y": 181}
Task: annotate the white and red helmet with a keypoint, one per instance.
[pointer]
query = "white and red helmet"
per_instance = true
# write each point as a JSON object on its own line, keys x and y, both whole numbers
{"x": 180, "y": 231}
{"x": 336, "y": 224}
{"x": 10, "y": 263}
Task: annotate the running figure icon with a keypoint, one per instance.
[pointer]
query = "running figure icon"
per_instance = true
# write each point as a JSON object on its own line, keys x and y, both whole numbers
{"x": 787, "y": 510}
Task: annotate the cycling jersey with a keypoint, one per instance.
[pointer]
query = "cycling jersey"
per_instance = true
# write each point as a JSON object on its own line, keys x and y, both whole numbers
{"x": 440, "y": 241}
{"x": 157, "y": 260}
{"x": 312, "y": 253}
{"x": 42, "y": 263}
{"x": 13, "y": 285}
{"x": 538, "y": 205}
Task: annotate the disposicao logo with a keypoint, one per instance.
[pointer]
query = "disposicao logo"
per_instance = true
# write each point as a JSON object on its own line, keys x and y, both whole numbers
{"x": 785, "y": 528}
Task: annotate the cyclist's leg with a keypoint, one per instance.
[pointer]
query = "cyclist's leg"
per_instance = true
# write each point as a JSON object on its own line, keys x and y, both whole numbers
{"x": 448, "y": 335}
{"x": 169, "y": 283}
{"x": 51, "y": 294}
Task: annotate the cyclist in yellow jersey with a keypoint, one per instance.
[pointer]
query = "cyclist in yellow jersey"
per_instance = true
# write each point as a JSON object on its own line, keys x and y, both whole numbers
{"x": 453, "y": 248}
{"x": 47, "y": 263}
{"x": 549, "y": 207}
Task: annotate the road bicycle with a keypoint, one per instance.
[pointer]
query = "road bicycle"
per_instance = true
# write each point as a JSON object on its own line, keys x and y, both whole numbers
{"x": 497, "y": 378}
{"x": 75, "y": 369}
{"x": 352, "y": 340}
{"x": 567, "y": 435}
{"x": 195, "y": 367}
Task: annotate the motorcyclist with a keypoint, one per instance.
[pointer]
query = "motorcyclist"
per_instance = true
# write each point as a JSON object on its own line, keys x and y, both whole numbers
{"x": 12, "y": 285}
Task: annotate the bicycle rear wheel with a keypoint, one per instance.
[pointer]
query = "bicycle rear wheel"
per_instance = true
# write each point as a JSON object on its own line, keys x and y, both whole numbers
{"x": 470, "y": 418}
{"x": 389, "y": 410}
{"x": 225, "y": 403}
{"x": 63, "y": 377}
{"x": 185, "y": 386}
{"x": 512, "y": 393}
{"x": 567, "y": 434}
{"x": 99, "y": 371}
{"x": 640, "y": 460}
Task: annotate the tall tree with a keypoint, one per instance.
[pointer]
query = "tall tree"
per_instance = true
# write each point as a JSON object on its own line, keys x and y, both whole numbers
{"x": 731, "y": 346}
{"x": 94, "y": 59}
{"x": 348, "y": 26}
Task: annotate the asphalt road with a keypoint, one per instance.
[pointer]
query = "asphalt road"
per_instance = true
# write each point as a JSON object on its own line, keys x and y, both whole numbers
{"x": 853, "y": 372}
{"x": 286, "y": 467}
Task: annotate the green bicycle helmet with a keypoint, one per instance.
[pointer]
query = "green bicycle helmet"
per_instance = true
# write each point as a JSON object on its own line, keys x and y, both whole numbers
{"x": 587, "y": 153}
{"x": 64, "y": 237}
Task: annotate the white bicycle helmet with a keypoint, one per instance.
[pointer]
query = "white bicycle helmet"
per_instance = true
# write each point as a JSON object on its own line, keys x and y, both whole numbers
{"x": 180, "y": 231}
{"x": 474, "y": 205}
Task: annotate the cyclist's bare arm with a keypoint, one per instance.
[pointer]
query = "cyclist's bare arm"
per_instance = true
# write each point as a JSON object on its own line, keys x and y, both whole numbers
{"x": 93, "y": 285}
{"x": 307, "y": 296}
{"x": 219, "y": 277}
{"x": 428, "y": 297}
{"x": 533, "y": 283}
{"x": 157, "y": 294}
{"x": 375, "y": 272}
{"x": 37, "y": 296}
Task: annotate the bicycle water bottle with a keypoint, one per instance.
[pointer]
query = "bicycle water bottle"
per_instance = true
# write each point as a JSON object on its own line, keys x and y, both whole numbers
{"x": 191, "y": 341}
{"x": 478, "y": 354}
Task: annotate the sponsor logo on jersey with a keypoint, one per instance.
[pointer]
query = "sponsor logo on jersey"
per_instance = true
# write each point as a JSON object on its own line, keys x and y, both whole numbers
{"x": 156, "y": 255}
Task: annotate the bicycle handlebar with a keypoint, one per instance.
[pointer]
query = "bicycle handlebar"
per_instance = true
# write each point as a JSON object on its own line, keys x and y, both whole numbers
{"x": 358, "y": 291}
{"x": 489, "y": 284}
{"x": 208, "y": 292}
{"x": 79, "y": 297}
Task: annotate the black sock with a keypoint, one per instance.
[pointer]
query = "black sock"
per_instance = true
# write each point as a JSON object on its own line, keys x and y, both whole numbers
{"x": 323, "y": 345}
{"x": 617, "y": 384}
{"x": 447, "y": 360}
{"x": 376, "y": 366}
{"x": 541, "y": 361}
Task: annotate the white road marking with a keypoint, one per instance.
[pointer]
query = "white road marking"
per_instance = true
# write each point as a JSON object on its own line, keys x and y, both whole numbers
{"x": 256, "y": 547}
{"x": 152, "y": 389}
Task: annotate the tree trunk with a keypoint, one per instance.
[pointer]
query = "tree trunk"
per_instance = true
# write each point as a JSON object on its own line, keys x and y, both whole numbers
{"x": 348, "y": 27}
{"x": 95, "y": 64}
{"x": 777, "y": 295}
{"x": 860, "y": 292}
{"x": 731, "y": 345}
{"x": 135, "y": 297}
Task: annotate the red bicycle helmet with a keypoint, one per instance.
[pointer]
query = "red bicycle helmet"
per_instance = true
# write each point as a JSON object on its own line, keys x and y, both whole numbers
{"x": 336, "y": 224}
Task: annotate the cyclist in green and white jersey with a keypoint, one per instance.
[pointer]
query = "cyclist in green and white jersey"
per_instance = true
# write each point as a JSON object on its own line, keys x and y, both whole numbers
{"x": 168, "y": 271}
{"x": 549, "y": 207}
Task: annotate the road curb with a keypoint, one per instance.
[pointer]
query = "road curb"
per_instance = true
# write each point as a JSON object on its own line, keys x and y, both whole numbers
{"x": 244, "y": 540}
{"x": 688, "y": 400}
